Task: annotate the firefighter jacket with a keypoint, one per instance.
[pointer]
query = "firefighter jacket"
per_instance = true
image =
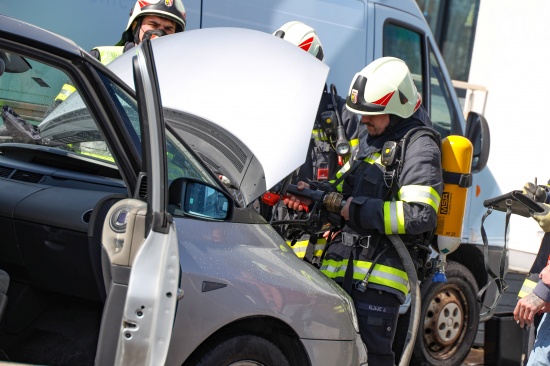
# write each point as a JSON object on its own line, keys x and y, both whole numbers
{"x": 385, "y": 203}
{"x": 105, "y": 55}
{"x": 322, "y": 163}
{"x": 321, "y": 160}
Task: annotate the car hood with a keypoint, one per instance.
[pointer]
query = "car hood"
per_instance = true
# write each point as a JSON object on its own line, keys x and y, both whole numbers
{"x": 254, "y": 96}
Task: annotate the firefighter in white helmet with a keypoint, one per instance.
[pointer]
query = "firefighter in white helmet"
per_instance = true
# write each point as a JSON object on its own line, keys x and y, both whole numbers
{"x": 148, "y": 19}
{"x": 386, "y": 193}
{"x": 322, "y": 161}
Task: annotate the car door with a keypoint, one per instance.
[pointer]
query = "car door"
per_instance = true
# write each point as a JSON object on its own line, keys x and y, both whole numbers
{"x": 150, "y": 303}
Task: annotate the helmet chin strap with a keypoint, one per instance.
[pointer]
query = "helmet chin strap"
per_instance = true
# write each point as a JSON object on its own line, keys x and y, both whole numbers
{"x": 136, "y": 28}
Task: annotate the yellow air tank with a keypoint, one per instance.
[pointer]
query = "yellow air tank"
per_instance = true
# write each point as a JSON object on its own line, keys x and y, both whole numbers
{"x": 456, "y": 161}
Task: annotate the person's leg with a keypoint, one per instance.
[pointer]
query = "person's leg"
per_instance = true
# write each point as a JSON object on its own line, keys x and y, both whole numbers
{"x": 540, "y": 355}
{"x": 377, "y": 312}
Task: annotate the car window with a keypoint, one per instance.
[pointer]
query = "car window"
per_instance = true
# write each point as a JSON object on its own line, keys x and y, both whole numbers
{"x": 407, "y": 45}
{"x": 41, "y": 105}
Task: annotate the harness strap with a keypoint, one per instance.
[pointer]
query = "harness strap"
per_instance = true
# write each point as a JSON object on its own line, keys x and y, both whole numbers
{"x": 498, "y": 280}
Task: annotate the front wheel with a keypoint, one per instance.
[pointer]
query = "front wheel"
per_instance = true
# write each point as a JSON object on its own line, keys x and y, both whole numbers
{"x": 448, "y": 319}
{"x": 244, "y": 350}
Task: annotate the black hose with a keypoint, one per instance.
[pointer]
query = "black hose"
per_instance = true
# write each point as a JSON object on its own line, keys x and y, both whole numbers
{"x": 415, "y": 298}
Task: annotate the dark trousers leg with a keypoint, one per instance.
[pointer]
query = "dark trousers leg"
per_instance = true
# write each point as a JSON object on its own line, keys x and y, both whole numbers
{"x": 377, "y": 312}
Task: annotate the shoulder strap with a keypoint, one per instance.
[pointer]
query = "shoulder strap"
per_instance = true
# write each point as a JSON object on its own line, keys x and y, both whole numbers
{"x": 413, "y": 135}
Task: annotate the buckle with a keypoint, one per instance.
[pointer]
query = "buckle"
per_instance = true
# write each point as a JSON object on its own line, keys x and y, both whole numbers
{"x": 350, "y": 240}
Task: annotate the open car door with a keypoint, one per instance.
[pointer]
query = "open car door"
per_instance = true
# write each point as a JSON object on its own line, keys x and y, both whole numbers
{"x": 149, "y": 235}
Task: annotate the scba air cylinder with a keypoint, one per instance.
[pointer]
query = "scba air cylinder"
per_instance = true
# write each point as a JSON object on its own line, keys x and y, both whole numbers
{"x": 456, "y": 161}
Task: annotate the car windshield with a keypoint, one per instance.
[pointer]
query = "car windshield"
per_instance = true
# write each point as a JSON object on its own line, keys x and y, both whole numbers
{"x": 42, "y": 107}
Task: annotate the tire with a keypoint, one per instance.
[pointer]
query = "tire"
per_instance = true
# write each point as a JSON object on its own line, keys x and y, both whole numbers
{"x": 244, "y": 350}
{"x": 449, "y": 319}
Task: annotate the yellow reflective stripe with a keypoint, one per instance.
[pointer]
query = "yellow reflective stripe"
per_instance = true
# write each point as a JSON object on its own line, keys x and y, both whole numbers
{"x": 109, "y": 53}
{"x": 98, "y": 156}
{"x": 421, "y": 194}
{"x": 319, "y": 135}
{"x": 299, "y": 248}
{"x": 373, "y": 159}
{"x": 341, "y": 172}
{"x": 381, "y": 274}
{"x": 319, "y": 247}
{"x": 526, "y": 288}
{"x": 354, "y": 142}
{"x": 66, "y": 90}
{"x": 394, "y": 217}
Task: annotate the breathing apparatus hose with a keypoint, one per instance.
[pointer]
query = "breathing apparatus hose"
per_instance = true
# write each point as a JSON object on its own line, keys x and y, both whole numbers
{"x": 415, "y": 298}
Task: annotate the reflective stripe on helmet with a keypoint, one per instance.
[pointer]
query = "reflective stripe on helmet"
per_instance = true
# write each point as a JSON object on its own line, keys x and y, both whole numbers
{"x": 381, "y": 274}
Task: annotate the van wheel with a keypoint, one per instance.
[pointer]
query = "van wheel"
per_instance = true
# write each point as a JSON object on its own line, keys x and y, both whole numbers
{"x": 448, "y": 319}
{"x": 244, "y": 350}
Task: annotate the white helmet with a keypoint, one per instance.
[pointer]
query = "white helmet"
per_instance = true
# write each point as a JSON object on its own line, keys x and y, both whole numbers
{"x": 169, "y": 9}
{"x": 385, "y": 86}
{"x": 302, "y": 36}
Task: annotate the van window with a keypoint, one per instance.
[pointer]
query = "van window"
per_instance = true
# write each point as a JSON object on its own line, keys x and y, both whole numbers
{"x": 406, "y": 44}
{"x": 440, "y": 111}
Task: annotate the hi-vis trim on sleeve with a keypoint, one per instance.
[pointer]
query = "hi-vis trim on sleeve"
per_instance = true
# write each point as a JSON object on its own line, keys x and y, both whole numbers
{"x": 526, "y": 288}
{"x": 381, "y": 274}
{"x": 394, "y": 217}
{"x": 420, "y": 194}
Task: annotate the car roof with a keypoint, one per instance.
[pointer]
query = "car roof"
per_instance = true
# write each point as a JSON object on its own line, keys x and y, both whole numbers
{"x": 38, "y": 36}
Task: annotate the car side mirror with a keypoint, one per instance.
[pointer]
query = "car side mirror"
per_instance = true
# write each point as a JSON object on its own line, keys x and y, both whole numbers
{"x": 190, "y": 197}
{"x": 477, "y": 131}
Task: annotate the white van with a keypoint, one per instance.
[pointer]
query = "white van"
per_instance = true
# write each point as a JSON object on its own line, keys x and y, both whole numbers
{"x": 354, "y": 33}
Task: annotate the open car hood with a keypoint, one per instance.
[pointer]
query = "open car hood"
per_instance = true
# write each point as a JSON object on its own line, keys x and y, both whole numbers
{"x": 251, "y": 100}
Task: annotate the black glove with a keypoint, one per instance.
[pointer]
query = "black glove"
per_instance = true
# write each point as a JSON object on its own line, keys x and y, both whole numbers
{"x": 536, "y": 193}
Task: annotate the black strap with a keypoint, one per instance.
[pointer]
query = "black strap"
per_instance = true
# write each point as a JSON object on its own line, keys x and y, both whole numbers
{"x": 348, "y": 276}
{"x": 498, "y": 280}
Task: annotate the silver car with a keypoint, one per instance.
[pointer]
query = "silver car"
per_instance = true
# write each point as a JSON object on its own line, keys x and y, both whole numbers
{"x": 121, "y": 242}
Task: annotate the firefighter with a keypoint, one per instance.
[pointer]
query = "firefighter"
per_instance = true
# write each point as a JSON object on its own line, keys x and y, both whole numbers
{"x": 322, "y": 161}
{"x": 383, "y": 196}
{"x": 147, "y": 19}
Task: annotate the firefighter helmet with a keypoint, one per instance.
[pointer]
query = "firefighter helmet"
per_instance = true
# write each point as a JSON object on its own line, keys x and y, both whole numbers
{"x": 385, "y": 86}
{"x": 302, "y": 36}
{"x": 169, "y": 9}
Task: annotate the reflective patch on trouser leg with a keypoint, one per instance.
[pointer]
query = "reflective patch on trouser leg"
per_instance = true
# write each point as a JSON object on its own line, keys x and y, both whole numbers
{"x": 377, "y": 312}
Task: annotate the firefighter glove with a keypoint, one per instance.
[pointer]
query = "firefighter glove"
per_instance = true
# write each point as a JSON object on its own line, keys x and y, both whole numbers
{"x": 543, "y": 218}
{"x": 536, "y": 193}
